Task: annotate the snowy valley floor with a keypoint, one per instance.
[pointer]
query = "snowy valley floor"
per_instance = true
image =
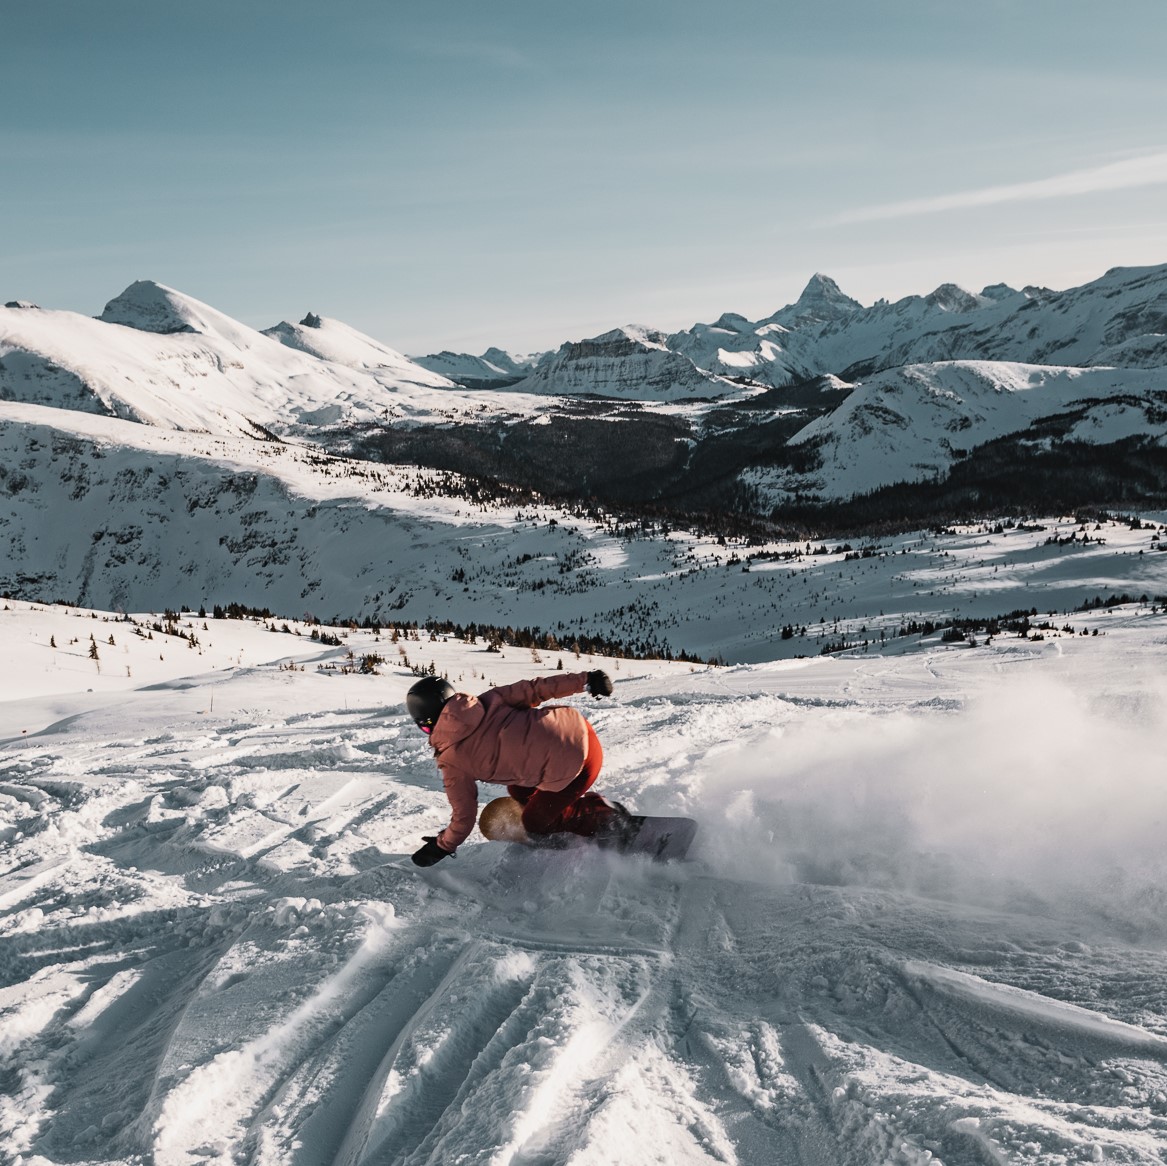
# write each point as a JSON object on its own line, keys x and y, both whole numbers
{"x": 925, "y": 921}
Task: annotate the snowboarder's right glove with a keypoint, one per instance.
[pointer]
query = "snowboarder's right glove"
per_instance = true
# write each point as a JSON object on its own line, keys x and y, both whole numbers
{"x": 430, "y": 853}
{"x": 599, "y": 684}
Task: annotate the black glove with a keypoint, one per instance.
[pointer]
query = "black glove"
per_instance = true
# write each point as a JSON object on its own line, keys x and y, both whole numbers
{"x": 430, "y": 853}
{"x": 599, "y": 684}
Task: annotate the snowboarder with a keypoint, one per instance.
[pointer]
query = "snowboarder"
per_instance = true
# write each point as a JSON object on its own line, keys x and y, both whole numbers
{"x": 548, "y": 758}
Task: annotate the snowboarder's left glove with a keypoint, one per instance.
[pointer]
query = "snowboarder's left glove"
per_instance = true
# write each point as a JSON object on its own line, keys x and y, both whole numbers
{"x": 430, "y": 853}
{"x": 599, "y": 684}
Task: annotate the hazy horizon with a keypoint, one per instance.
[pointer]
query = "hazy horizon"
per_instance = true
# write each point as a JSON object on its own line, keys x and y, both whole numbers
{"x": 457, "y": 176}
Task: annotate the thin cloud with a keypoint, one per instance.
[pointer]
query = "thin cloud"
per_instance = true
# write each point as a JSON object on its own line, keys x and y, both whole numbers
{"x": 1145, "y": 170}
{"x": 482, "y": 52}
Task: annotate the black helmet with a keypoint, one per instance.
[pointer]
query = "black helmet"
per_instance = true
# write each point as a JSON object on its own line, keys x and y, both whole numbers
{"x": 426, "y": 699}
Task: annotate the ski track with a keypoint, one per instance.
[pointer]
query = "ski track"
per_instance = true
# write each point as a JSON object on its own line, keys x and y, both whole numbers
{"x": 212, "y": 949}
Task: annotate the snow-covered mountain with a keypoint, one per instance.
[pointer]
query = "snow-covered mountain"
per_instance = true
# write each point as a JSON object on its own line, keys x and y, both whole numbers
{"x": 159, "y": 357}
{"x": 801, "y": 340}
{"x": 494, "y": 368}
{"x": 913, "y": 423}
{"x": 339, "y": 343}
{"x": 630, "y": 363}
{"x": 147, "y": 306}
{"x": 697, "y": 424}
{"x": 740, "y": 349}
{"x": 1119, "y": 319}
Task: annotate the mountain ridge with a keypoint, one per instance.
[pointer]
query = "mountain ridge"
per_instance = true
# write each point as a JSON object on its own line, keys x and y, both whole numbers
{"x": 738, "y": 419}
{"x": 825, "y": 331}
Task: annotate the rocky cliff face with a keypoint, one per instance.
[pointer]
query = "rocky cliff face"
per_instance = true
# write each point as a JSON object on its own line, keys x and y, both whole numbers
{"x": 822, "y": 302}
{"x": 628, "y": 363}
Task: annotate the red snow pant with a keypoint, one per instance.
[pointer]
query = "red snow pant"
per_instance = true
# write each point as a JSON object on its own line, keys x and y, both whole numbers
{"x": 570, "y": 810}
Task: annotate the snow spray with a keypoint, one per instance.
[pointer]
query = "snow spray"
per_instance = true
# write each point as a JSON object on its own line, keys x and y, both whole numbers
{"x": 1035, "y": 791}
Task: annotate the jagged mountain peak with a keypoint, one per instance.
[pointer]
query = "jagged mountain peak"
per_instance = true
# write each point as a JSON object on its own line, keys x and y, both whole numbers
{"x": 638, "y": 334}
{"x": 511, "y": 362}
{"x": 999, "y": 291}
{"x": 733, "y": 322}
{"x": 820, "y": 287}
{"x": 822, "y": 302}
{"x": 951, "y": 297}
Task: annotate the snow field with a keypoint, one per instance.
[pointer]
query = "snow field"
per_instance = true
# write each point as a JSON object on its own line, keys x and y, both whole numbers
{"x": 44, "y": 680}
{"x": 924, "y": 921}
{"x": 220, "y": 520}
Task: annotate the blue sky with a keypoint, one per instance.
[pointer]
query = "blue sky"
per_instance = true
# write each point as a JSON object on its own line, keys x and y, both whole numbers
{"x": 458, "y": 174}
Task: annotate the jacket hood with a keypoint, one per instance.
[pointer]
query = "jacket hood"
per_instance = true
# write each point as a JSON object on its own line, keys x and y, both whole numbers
{"x": 460, "y": 716}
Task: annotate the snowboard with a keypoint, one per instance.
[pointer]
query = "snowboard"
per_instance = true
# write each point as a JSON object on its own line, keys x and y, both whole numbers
{"x": 660, "y": 838}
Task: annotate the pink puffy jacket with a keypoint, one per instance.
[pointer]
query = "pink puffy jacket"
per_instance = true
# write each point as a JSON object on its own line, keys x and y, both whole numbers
{"x": 501, "y": 736}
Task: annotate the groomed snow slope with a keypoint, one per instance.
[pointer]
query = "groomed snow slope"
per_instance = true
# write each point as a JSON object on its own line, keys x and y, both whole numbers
{"x": 924, "y": 921}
